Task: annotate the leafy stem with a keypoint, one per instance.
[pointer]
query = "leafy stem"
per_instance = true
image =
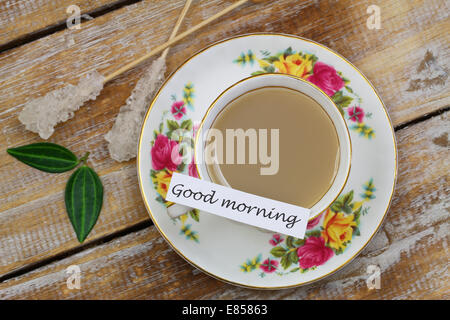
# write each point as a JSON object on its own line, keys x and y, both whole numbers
{"x": 84, "y": 158}
{"x": 84, "y": 190}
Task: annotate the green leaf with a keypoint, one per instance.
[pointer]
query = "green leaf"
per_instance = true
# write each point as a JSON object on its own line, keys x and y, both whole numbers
{"x": 343, "y": 203}
{"x": 341, "y": 110}
{"x": 286, "y": 262}
{"x": 181, "y": 167}
{"x": 272, "y": 59}
{"x": 269, "y": 69}
{"x": 341, "y": 100}
{"x": 172, "y": 125}
{"x": 186, "y": 124}
{"x": 160, "y": 199}
{"x": 290, "y": 242}
{"x": 348, "y": 209}
{"x": 299, "y": 242}
{"x": 293, "y": 257}
{"x": 348, "y": 197}
{"x": 170, "y": 134}
{"x": 45, "y": 156}
{"x": 194, "y": 213}
{"x": 337, "y": 206}
{"x": 181, "y": 135}
{"x": 313, "y": 233}
{"x": 365, "y": 211}
{"x": 257, "y": 72}
{"x": 278, "y": 252}
{"x": 84, "y": 199}
{"x": 347, "y": 202}
{"x": 357, "y": 214}
{"x": 288, "y": 52}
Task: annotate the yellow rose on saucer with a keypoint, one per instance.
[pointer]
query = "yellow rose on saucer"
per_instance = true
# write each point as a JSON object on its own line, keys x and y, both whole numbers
{"x": 295, "y": 64}
{"x": 337, "y": 229}
{"x": 161, "y": 180}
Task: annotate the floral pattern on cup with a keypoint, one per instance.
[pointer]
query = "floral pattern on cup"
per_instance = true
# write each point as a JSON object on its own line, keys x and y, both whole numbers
{"x": 327, "y": 235}
{"x": 325, "y": 76}
{"x": 166, "y": 154}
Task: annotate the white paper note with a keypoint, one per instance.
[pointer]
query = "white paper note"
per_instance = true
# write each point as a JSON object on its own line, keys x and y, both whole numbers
{"x": 240, "y": 206}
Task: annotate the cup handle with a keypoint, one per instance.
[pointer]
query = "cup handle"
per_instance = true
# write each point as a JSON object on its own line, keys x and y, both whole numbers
{"x": 176, "y": 210}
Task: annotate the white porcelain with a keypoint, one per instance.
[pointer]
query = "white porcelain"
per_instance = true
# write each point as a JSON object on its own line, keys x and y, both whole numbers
{"x": 239, "y": 254}
{"x": 294, "y": 83}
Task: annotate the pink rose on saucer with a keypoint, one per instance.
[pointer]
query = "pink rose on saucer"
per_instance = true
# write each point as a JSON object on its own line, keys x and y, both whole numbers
{"x": 165, "y": 154}
{"x": 313, "y": 253}
{"x": 356, "y": 114}
{"x": 326, "y": 78}
{"x": 269, "y": 265}
{"x": 276, "y": 239}
{"x": 178, "y": 110}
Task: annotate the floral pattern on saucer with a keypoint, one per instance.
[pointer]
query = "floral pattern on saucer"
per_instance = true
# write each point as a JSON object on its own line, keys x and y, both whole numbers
{"x": 220, "y": 247}
{"x": 327, "y": 235}
{"x": 308, "y": 67}
{"x": 167, "y": 154}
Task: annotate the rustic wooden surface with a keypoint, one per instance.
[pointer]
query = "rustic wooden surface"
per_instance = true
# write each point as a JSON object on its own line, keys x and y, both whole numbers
{"x": 19, "y": 19}
{"x": 125, "y": 257}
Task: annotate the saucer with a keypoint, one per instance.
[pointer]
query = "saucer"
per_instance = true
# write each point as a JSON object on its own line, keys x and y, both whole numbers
{"x": 240, "y": 254}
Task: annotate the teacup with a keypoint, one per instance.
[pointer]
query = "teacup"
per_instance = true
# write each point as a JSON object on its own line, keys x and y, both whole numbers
{"x": 299, "y": 85}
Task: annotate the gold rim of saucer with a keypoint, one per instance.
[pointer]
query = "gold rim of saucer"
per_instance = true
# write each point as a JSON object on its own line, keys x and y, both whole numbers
{"x": 155, "y": 99}
{"x": 296, "y": 78}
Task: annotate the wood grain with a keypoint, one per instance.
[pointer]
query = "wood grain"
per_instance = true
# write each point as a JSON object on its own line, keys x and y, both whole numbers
{"x": 411, "y": 249}
{"x": 22, "y": 18}
{"x": 407, "y": 60}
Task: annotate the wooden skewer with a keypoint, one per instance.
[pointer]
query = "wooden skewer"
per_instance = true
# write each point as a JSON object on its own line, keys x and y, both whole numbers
{"x": 177, "y": 24}
{"x": 172, "y": 35}
{"x": 173, "y": 40}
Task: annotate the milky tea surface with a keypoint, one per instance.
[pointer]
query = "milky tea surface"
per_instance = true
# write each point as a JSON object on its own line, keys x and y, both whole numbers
{"x": 308, "y": 146}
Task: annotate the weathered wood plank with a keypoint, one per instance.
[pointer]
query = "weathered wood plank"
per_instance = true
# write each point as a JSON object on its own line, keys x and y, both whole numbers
{"x": 411, "y": 249}
{"x": 31, "y": 205}
{"x": 25, "y": 203}
{"x": 21, "y": 18}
